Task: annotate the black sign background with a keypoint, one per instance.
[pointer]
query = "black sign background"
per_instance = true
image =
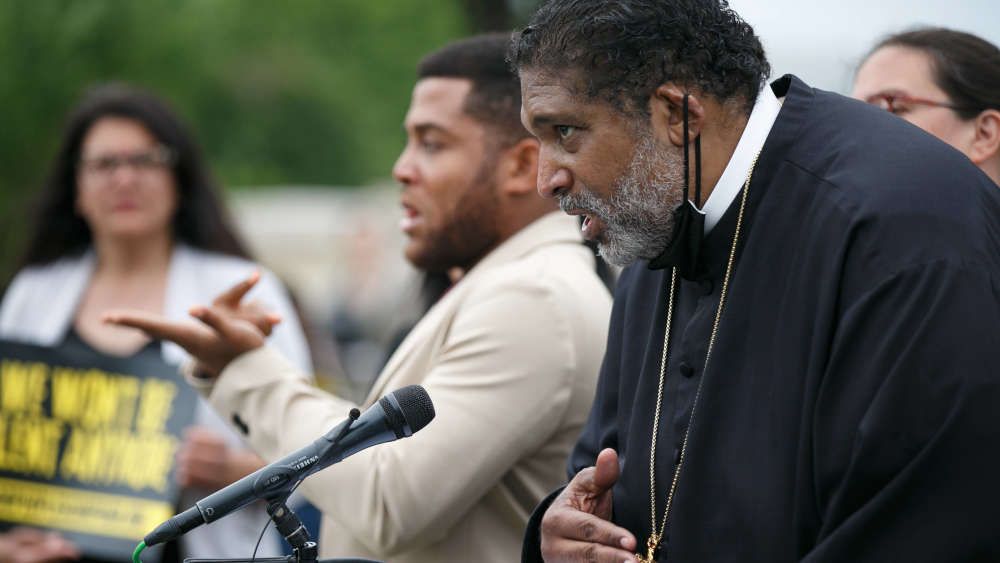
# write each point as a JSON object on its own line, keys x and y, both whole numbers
{"x": 113, "y": 425}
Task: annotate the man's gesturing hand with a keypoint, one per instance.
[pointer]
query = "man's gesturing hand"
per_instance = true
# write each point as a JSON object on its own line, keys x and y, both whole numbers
{"x": 230, "y": 328}
{"x": 577, "y": 526}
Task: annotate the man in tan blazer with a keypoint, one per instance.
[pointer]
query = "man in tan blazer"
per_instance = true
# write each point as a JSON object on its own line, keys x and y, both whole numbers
{"x": 509, "y": 355}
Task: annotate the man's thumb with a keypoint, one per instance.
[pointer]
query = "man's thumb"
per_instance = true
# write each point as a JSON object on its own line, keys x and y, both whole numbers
{"x": 606, "y": 469}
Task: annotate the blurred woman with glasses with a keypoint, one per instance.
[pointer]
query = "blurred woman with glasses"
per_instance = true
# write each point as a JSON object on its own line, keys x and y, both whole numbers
{"x": 943, "y": 81}
{"x": 129, "y": 218}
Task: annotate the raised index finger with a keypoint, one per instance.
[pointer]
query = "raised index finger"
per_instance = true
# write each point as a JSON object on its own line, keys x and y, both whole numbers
{"x": 232, "y": 296}
{"x": 183, "y": 333}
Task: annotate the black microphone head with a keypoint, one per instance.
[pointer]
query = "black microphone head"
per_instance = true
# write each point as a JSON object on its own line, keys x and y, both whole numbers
{"x": 414, "y": 404}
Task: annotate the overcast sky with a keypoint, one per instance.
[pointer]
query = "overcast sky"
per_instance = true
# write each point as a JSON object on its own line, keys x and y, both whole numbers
{"x": 822, "y": 41}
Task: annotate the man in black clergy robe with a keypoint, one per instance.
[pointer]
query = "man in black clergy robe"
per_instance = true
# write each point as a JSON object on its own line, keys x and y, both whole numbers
{"x": 848, "y": 411}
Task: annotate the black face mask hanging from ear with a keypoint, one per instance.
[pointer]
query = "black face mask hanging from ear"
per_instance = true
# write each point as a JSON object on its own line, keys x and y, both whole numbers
{"x": 689, "y": 223}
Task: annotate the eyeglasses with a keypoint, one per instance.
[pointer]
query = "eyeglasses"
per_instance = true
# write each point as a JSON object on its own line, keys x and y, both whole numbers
{"x": 142, "y": 161}
{"x": 896, "y": 103}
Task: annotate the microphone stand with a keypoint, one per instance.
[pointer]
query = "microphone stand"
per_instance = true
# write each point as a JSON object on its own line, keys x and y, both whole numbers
{"x": 304, "y": 550}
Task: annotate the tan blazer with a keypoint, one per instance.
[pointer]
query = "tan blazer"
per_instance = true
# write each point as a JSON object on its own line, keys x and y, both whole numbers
{"x": 510, "y": 357}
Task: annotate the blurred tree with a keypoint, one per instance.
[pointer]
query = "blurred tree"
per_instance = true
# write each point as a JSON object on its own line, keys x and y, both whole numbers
{"x": 488, "y": 16}
{"x": 303, "y": 92}
{"x": 498, "y": 15}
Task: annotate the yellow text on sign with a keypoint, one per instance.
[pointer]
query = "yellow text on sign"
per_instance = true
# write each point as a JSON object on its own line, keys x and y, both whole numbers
{"x": 24, "y": 386}
{"x": 87, "y": 512}
{"x": 92, "y": 398}
{"x": 30, "y": 444}
{"x": 107, "y": 458}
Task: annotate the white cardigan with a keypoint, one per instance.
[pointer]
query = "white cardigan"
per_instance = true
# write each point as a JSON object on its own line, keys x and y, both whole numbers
{"x": 41, "y": 302}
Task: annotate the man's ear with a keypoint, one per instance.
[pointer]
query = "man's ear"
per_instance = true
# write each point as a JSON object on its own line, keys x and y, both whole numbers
{"x": 986, "y": 144}
{"x": 667, "y": 115}
{"x": 517, "y": 167}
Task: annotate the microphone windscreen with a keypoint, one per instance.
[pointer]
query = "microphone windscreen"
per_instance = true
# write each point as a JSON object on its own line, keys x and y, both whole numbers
{"x": 394, "y": 417}
{"x": 416, "y": 406}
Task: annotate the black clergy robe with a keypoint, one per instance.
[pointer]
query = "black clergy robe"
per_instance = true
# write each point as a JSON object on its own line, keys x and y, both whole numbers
{"x": 849, "y": 412}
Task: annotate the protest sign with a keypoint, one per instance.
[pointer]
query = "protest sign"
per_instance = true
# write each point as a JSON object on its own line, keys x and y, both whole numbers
{"x": 87, "y": 443}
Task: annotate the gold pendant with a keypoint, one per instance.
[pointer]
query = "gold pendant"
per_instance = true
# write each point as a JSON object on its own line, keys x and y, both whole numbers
{"x": 651, "y": 545}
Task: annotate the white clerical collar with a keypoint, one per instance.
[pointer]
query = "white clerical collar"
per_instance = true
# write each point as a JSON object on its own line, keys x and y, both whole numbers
{"x": 765, "y": 112}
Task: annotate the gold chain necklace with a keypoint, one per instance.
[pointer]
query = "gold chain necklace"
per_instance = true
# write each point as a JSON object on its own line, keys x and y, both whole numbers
{"x": 653, "y": 543}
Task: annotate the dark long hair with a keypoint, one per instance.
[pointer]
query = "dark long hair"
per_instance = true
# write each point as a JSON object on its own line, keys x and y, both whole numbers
{"x": 965, "y": 66}
{"x": 200, "y": 219}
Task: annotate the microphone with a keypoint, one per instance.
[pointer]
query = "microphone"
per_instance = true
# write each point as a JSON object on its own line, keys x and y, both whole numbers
{"x": 396, "y": 415}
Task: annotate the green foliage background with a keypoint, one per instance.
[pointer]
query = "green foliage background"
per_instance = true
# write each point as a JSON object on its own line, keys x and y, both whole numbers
{"x": 303, "y": 92}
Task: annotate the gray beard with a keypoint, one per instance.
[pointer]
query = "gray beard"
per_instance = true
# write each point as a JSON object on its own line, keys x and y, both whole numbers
{"x": 638, "y": 216}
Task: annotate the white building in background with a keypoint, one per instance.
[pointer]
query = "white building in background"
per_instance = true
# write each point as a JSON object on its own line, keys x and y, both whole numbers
{"x": 823, "y": 41}
{"x": 340, "y": 252}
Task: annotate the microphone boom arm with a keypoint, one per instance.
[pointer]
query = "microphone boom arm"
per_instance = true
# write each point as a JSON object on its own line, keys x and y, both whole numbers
{"x": 396, "y": 415}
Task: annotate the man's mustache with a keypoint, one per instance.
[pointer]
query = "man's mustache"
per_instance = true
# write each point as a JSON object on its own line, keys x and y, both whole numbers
{"x": 585, "y": 202}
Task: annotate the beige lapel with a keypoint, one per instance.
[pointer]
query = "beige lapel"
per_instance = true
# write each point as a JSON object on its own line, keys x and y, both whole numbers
{"x": 417, "y": 353}
{"x": 408, "y": 364}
